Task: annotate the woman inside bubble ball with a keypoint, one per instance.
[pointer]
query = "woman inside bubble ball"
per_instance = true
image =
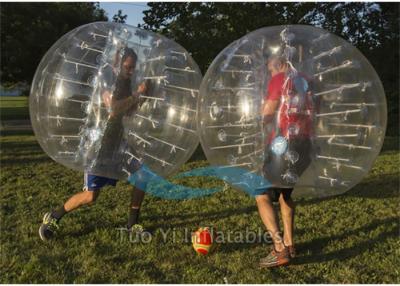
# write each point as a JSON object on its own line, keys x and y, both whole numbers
{"x": 287, "y": 114}
{"x": 119, "y": 100}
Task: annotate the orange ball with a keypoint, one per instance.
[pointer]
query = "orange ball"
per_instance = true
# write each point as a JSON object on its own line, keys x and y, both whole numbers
{"x": 202, "y": 240}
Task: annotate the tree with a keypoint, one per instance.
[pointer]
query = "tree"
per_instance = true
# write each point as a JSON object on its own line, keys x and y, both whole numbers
{"x": 374, "y": 29}
{"x": 29, "y": 29}
{"x": 119, "y": 17}
{"x": 205, "y": 29}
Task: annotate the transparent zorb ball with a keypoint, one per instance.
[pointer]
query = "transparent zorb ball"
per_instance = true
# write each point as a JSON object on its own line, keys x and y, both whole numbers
{"x": 296, "y": 105}
{"x": 108, "y": 98}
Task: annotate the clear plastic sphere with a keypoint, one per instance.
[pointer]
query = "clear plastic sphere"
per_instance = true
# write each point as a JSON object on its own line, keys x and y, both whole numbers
{"x": 295, "y": 104}
{"x": 108, "y": 98}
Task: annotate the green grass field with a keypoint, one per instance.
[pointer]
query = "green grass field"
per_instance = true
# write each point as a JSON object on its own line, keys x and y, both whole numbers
{"x": 353, "y": 238}
{"x": 14, "y": 108}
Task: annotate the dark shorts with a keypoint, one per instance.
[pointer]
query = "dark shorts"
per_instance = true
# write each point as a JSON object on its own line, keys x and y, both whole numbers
{"x": 274, "y": 193}
{"x": 285, "y": 169}
{"x": 95, "y": 183}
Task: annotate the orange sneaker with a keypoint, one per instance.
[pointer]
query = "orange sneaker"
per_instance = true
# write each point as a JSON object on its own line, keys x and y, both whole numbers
{"x": 276, "y": 258}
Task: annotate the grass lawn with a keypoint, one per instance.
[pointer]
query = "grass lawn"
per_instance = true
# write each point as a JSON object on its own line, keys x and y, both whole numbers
{"x": 353, "y": 238}
{"x": 14, "y": 107}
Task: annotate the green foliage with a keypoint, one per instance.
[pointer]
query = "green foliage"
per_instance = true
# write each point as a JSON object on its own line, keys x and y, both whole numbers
{"x": 205, "y": 29}
{"x": 374, "y": 30}
{"x": 119, "y": 17}
{"x": 28, "y": 30}
{"x": 351, "y": 238}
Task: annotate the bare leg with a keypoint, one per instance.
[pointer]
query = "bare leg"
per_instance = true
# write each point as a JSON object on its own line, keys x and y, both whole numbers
{"x": 137, "y": 197}
{"x": 287, "y": 209}
{"x": 51, "y": 219}
{"x": 83, "y": 198}
{"x": 268, "y": 216}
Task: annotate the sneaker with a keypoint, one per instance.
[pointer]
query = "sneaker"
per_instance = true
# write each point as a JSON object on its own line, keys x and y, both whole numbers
{"x": 276, "y": 258}
{"x": 48, "y": 228}
{"x": 136, "y": 228}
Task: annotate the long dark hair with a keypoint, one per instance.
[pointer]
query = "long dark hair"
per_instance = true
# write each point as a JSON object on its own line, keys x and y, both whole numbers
{"x": 128, "y": 52}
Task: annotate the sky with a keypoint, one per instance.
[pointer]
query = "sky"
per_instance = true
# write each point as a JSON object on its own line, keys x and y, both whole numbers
{"x": 134, "y": 10}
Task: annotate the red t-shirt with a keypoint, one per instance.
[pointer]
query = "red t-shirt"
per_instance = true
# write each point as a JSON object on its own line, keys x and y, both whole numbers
{"x": 293, "y": 120}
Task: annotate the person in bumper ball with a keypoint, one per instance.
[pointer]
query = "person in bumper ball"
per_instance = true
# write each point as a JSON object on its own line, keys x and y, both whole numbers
{"x": 287, "y": 115}
{"x": 119, "y": 100}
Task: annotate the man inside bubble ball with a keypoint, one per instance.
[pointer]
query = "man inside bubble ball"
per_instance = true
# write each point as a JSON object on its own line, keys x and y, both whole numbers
{"x": 287, "y": 115}
{"x": 119, "y": 100}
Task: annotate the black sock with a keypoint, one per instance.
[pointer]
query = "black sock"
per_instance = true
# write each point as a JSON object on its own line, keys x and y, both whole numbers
{"x": 58, "y": 213}
{"x": 133, "y": 217}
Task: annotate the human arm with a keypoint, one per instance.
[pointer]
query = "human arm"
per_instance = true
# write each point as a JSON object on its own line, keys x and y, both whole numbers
{"x": 122, "y": 106}
{"x": 269, "y": 108}
{"x": 143, "y": 88}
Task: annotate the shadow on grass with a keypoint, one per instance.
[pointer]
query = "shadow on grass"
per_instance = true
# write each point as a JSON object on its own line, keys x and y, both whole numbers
{"x": 164, "y": 224}
{"x": 22, "y": 152}
{"x": 239, "y": 246}
{"x": 21, "y": 148}
{"x": 26, "y": 132}
{"x": 207, "y": 215}
{"x": 373, "y": 189}
{"x": 316, "y": 246}
{"x": 379, "y": 187}
{"x": 22, "y": 161}
{"x": 88, "y": 229}
{"x": 10, "y": 146}
{"x": 196, "y": 218}
{"x": 364, "y": 190}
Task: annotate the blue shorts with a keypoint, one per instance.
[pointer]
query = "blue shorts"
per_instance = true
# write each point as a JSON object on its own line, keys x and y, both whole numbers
{"x": 95, "y": 183}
